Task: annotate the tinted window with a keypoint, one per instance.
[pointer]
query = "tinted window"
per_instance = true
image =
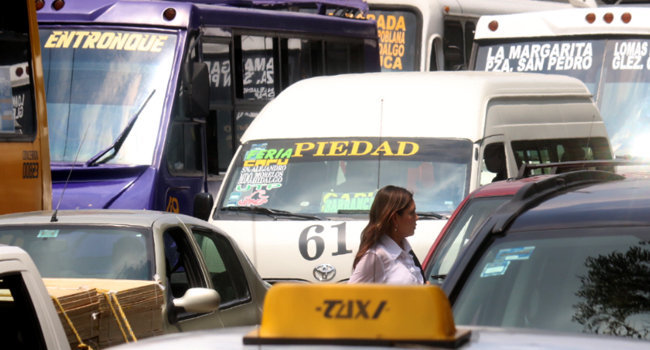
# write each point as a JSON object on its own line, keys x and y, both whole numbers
{"x": 246, "y": 71}
{"x": 85, "y": 252}
{"x": 19, "y": 325}
{"x": 225, "y": 270}
{"x": 17, "y": 114}
{"x": 182, "y": 268}
{"x": 591, "y": 280}
{"x": 459, "y": 233}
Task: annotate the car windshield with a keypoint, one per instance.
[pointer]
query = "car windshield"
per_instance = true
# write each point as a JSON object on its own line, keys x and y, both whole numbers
{"x": 85, "y": 251}
{"x": 591, "y": 280}
{"x": 459, "y": 233}
{"x": 614, "y": 70}
{"x": 341, "y": 176}
{"x": 96, "y": 81}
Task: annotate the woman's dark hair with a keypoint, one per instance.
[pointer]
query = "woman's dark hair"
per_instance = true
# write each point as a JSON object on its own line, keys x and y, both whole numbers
{"x": 389, "y": 200}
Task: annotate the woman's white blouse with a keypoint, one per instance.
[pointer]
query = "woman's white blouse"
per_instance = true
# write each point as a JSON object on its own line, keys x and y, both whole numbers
{"x": 386, "y": 262}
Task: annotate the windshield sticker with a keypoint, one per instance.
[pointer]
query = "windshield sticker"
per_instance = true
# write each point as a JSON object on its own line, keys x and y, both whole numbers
{"x": 498, "y": 268}
{"x": 355, "y": 148}
{"x": 519, "y": 253}
{"x": 96, "y": 40}
{"x": 503, "y": 258}
{"x": 630, "y": 55}
{"x": 263, "y": 170}
{"x": 47, "y": 233}
{"x": 259, "y": 155}
{"x": 258, "y": 197}
{"x": 333, "y": 202}
{"x": 540, "y": 57}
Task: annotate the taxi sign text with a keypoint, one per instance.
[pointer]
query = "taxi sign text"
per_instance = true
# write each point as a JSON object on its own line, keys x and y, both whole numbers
{"x": 352, "y": 309}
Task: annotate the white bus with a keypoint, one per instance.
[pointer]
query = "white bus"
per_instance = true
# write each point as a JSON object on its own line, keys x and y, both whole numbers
{"x": 429, "y": 35}
{"x": 606, "y": 47}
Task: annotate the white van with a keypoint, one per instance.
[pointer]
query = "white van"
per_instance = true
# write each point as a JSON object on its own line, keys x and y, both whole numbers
{"x": 297, "y": 193}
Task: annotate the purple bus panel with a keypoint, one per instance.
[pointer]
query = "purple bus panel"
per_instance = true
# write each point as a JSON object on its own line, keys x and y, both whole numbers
{"x": 147, "y": 100}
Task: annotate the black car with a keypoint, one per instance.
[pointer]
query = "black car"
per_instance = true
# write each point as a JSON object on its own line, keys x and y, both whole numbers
{"x": 570, "y": 253}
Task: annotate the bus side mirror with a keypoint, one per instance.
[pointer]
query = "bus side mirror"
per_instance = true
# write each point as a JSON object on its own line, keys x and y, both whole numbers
{"x": 203, "y": 205}
{"x": 198, "y": 99}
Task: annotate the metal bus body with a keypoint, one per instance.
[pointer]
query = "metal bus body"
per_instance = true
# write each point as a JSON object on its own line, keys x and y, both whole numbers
{"x": 429, "y": 35}
{"x": 605, "y": 47}
{"x": 148, "y": 99}
{"x": 24, "y": 152}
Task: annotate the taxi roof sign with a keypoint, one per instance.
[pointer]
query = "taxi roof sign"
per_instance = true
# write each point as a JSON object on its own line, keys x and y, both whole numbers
{"x": 357, "y": 314}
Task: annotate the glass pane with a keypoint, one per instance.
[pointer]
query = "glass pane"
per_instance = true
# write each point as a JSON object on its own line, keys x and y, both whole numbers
{"x": 615, "y": 71}
{"x": 398, "y": 46}
{"x": 95, "y": 82}
{"x": 85, "y": 251}
{"x": 331, "y": 176}
{"x": 16, "y": 85}
{"x": 590, "y": 280}
{"x": 459, "y": 234}
{"x": 217, "y": 57}
{"x": 19, "y": 326}
{"x": 258, "y": 62}
{"x": 226, "y": 273}
{"x": 559, "y": 150}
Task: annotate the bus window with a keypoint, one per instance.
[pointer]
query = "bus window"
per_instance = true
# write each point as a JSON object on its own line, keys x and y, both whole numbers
{"x": 24, "y": 152}
{"x": 263, "y": 65}
{"x": 398, "y": 39}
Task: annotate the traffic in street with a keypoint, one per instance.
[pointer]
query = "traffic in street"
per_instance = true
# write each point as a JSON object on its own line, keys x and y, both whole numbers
{"x": 252, "y": 174}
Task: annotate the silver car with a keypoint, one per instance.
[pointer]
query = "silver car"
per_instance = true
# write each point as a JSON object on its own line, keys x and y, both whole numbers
{"x": 188, "y": 257}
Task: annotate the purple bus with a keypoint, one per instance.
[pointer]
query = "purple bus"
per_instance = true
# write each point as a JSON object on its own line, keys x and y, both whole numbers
{"x": 146, "y": 100}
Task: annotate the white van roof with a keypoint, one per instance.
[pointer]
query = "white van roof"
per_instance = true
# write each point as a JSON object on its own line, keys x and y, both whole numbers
{"x": 413, "y": 104}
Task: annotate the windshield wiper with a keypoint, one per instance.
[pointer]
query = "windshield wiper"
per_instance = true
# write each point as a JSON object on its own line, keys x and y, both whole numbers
{"x": 423, "y": 215}
{"x": 274, "y": 213}
{"x": 353, "y": 211}
{"x": 429, "y": 215}
{"x": 117, "y": 144}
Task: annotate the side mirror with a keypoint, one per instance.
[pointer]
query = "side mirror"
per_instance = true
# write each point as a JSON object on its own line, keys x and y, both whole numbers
{"x": 199, "y": 300}
{"x": 203, "y": 203}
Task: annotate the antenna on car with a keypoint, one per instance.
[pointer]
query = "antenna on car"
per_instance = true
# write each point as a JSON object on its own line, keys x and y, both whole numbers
{"x": 56, "y": 210}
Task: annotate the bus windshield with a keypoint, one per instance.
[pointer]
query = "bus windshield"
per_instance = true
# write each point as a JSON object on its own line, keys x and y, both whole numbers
{"x": 330, "y": 177}
{"x": 616, "y": 71}
{"x": 108, "y": 76}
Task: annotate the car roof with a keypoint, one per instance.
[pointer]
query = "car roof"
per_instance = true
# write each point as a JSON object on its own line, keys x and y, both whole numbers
{"x": 617, "y": 203}
{"x": 505, "y": 187}
{"x": 143, "y": 218}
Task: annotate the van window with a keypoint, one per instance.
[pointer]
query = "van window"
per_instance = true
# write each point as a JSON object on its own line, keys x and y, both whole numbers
{"x": 341, "y": 176}
{"x": 494, "y": 164}
{"x": 559, "y": 150}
